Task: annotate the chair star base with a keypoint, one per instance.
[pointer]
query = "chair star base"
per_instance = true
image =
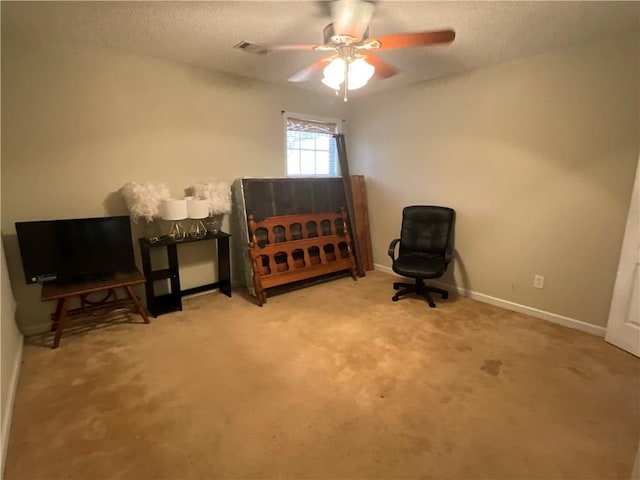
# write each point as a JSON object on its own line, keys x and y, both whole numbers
{"x": 418, "y": 288}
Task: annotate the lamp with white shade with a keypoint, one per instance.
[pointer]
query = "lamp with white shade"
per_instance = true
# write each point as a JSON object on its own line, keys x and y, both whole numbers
{"x": 175, "y": 210}
{"x": 197, "y": 209}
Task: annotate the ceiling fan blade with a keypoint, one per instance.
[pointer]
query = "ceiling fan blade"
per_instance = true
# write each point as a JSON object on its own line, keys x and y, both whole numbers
{"x": 351, "y": 17}
{"x": 408, "y": 40}
{"x": 383, "y": 69}
{"x": 263, "y": 49}
{"x": 308, "y": 72}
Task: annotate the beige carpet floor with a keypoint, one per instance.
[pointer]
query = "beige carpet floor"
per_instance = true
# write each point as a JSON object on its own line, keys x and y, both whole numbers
{"x": 334, "y": 381}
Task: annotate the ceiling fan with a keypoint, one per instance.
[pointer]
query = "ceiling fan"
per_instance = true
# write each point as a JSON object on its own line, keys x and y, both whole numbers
{"x": 352, "y": 60}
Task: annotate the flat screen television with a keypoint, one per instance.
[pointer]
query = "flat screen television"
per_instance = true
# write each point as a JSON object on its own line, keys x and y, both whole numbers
{"x": 74, "y": 250}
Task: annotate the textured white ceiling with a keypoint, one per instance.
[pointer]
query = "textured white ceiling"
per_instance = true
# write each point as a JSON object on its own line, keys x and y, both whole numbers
{"x": 203, "y": 33}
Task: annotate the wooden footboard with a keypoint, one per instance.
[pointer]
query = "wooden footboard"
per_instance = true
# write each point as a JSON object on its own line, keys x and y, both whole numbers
{"x": 290, "y": 248}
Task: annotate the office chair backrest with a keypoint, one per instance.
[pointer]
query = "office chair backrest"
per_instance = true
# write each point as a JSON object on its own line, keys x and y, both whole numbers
{"x": 426, "y": 229}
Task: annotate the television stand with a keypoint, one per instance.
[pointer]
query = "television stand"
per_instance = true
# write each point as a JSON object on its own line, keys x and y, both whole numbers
{"x": 63, "y": 292}
{"x": 79, "y": 281}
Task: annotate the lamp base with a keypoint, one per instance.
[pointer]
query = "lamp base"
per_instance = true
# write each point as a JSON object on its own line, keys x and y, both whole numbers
{"x": 177, "y": 232}
{"x": 197, "y": 229}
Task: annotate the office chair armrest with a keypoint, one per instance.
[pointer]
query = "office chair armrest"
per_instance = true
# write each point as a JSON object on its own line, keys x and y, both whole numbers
{"x": 392, "y": 248}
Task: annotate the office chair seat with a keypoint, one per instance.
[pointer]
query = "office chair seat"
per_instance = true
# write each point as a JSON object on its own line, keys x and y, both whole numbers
{"x": 419, "y": 266}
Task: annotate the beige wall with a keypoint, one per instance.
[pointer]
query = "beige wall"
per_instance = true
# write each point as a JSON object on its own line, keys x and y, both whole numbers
{"x": 79, "y": 121}
{"x": 537, "y": 156}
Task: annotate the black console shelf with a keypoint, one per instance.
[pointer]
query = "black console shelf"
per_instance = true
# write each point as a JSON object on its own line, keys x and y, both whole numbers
{"x": 171, "y": 302}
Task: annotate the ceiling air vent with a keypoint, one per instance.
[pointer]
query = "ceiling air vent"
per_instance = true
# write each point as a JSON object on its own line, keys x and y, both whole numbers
{"x": 251, "y": 48}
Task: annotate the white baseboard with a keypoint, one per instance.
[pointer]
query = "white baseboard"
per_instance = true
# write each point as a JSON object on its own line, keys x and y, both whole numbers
{"x": 13, "y": 387}
{"x": 515, "y": 307}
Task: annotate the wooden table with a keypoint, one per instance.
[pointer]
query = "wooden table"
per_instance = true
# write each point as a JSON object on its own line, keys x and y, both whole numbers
{"x": 63, "y": 292}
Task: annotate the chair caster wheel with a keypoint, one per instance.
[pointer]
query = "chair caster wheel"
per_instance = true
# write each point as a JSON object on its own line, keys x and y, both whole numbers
{"x": 394, "y": 298}
{"x": 445, "y": 295}
{"x": 396, "y": 286}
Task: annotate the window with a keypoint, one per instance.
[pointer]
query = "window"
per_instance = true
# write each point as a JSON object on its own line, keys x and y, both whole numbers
{"x": 311, "y": 148}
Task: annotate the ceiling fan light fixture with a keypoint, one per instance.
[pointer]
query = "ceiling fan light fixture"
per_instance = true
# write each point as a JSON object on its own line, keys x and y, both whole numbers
{"x": 334, "y": 73}
{"x": 333, "y": 86}
{"x": 360, "y": 72}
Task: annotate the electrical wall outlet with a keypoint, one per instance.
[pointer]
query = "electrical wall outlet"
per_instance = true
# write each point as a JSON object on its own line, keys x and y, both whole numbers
{"x": 538, "y": 281}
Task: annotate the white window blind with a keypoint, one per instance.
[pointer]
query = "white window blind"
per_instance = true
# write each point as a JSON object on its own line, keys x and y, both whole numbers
{"x": 311, "y": 148}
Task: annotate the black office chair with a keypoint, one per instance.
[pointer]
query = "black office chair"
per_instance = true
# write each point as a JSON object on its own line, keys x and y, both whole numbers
{"x": 426, "y": 248}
